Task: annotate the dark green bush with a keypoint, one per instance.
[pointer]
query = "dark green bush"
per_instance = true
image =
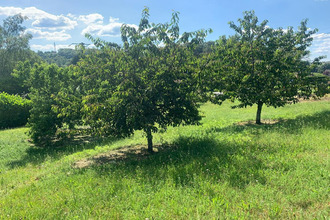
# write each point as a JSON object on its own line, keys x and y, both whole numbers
{"x": 14, "y": 110}
{"x": 45, "y": 82}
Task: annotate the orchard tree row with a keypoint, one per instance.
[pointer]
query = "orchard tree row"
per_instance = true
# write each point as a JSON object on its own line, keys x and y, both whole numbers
{"x": 157, "y": 79}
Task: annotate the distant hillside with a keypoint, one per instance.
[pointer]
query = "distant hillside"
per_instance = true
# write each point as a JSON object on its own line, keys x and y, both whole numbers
{"x": 63, "y": 57}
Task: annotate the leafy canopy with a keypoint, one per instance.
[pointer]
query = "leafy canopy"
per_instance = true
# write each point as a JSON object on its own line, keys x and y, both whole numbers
{"x": 261, "y": 65}
{"x": 146, "y": 85}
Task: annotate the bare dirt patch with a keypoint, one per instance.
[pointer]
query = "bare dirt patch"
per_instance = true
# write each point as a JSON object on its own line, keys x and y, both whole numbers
{"x": 325, "y": 98}
{"x": 265, "y": 121}
{"x": 137, "y": 152}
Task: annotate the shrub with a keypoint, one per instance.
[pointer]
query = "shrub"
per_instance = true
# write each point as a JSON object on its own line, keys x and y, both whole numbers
{"x": 14, "y": 110}
{"x": 45, "y": 82}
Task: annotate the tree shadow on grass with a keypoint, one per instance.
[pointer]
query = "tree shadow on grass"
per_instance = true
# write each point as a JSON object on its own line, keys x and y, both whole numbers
{"x": 319, "y": 120}
{"x": 187, "y": 161}
{"x": 188, "y": 158}
{"x": 37, "y": 155}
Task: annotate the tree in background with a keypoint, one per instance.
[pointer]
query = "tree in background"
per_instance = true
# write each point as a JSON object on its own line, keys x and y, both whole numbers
{"x": 263, "y": 66}
{"x": 65, "y": 56}
{"x": 14, "y": 47}
{"x": 324, "y": 67}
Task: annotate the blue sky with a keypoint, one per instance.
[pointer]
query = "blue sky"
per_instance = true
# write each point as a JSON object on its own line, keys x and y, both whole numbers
{"x": 65, "y": 21}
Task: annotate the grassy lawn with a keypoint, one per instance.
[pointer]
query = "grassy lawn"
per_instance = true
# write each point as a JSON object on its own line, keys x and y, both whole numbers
{"x": 220, "y": 169}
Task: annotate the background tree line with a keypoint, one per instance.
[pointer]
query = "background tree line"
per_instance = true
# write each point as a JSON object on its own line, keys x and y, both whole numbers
{"x": 159, "y": 76}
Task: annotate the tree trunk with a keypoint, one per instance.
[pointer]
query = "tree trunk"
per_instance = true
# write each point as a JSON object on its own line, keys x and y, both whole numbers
{"x": 149, "y": 138}
{"x": 258, "y": 119}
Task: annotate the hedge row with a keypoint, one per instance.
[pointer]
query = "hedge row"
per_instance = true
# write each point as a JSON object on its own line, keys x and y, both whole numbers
{"x": 14, "y": 110}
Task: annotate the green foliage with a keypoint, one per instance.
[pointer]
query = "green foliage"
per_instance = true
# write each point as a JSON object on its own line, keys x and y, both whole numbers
{"x": 64, "y": 56}
{"x": 14, "y": 47}
{"x": 156, "y": 79}
{"x": 146, "y": 85}
{"x": 14, "y": 110}
{"x": 323, "y": 67}
{"x": 204, "y": 48}
{"x": 44, "y": 81}
{"x": 56, "y": 101}
{"x": 264, "y": 66}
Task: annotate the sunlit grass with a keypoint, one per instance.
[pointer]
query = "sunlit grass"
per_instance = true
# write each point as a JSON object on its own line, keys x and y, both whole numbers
{"x": 220, "y": 169}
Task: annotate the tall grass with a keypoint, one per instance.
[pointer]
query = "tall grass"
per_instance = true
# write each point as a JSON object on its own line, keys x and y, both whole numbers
{"x": 220, "y": 169}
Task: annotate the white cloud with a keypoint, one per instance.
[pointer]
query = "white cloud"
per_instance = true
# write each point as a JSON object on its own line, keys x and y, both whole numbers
{"x": 51, "y": 36}
{"x": 52, "y": 27}
{"x": 91, "y": 19}
{"x": 59, "y": 22}
{"x": 321, "y": 45}
{"x": 50, "y": 47}
{"x": 106, "y": 30}
{"x": 320, "y": 36}
{"x": 113, "y": 20}
{"x": 322, "y": 48}
{"x": 110, "y": 30}
{"x": 41, "y": 19}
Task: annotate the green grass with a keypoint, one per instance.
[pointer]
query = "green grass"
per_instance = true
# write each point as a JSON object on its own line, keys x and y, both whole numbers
{"x": 217, "y": 170}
